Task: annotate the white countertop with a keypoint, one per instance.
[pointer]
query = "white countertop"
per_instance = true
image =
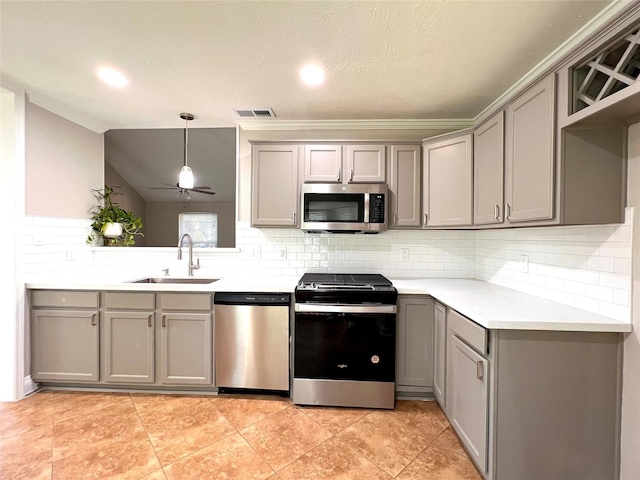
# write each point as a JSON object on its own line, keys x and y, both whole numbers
{"x": 489, "y": 305}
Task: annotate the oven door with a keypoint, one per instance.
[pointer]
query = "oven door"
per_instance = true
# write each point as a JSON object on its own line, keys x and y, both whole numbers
{"x": 345, "y": 342}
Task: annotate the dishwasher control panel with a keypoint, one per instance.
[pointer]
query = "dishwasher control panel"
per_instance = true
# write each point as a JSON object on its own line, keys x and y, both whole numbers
{"x": 252, "y": 298}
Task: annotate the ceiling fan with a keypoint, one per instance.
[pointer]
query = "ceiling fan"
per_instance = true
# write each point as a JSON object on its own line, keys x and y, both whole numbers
{"x": 185, "y": 181}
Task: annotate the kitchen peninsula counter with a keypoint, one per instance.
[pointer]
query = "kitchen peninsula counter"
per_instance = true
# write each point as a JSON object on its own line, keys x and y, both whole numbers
{"x": 489, "y": 305}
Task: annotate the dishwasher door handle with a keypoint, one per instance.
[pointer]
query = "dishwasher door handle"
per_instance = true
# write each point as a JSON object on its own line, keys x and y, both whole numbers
{"x": 321, "y": 308}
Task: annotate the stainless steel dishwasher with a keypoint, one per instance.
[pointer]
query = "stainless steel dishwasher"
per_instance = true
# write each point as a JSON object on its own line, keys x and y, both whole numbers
{"x": 252, "y": 340}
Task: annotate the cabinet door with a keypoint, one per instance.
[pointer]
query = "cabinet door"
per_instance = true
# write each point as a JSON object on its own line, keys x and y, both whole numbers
{"x": 274, "y": 197}
{"x": 440, "y": 354}
{"x": 366, "y": 164}
{"x": 529, "y": 153}
{"x": 469, "y": 405}
{"x": 323, "y": 163}
{"x": 405, "y": 186}
{"x": 448, "y": 182}
{"x": 488, "y": 171}
{"x": 415, "y": 342}
{"x": 65, "y": 345}
{"x": 186, "y": 352}
{"x": 128, "y": 347}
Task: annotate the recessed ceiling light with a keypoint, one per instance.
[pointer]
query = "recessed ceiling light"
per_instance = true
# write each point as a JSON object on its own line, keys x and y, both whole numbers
{"x": 312, "y": 74}
{"x": 112, "y": 77}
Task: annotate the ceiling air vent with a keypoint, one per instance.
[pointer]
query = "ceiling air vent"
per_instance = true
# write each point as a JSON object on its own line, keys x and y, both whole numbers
{"x": 255, "y": 112}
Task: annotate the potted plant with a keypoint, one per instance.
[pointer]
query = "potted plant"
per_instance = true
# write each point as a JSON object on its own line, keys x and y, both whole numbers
{"x": 112, "y": 225}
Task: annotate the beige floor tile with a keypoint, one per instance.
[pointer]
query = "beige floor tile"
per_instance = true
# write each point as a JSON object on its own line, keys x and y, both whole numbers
{"x": 231, "y": 458}
{"x": 157, "y": 475}
{"x": 243, "y": 411}
{"x": 27, "y": 456}
{"x": 27, "y": 414}
{"x": 440, "y": 463}
{"x": 332, "y": 460}
{"x": 166, "y": 404}
{"x": 115, "y": 460}
{"x": 95, "y": 429}
{"x": 184, "y": 428}
{"x": 393, "y": 438}
{"x": 284, "y": 436}
{"x": 449, "y": 439}
{"x": 73, "y": 404}
{"x": 334, "y": 419}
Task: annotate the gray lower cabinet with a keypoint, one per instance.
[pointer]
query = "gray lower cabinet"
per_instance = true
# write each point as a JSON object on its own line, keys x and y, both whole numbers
{"x": 467, "y": 385}
{"x": 65, "y": 336}
{"x": 128, "y": 343}
{"x": 186, "y": 339}
{"x": 186, "y": 351}
{"x": 414, "y": 337}
{"x": 440, "y": 353}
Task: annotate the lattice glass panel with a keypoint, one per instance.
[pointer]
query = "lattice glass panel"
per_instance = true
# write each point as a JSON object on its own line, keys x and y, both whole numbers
{"x": 611, "y": 70}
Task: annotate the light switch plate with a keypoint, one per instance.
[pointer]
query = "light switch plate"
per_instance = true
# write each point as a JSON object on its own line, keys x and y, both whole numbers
{"x": 524, "y": 263}
{"x": 404, "y": 253}
{"x": 283, "y": 252}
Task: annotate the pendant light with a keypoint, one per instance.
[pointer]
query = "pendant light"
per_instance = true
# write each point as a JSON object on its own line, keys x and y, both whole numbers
{"x": 186, "y": 174}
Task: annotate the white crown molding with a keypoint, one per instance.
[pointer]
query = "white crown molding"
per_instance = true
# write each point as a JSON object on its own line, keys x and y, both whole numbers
{"x": 391, "y": 124}
{"x": 615, "y": 10}
{"x": 56, "y": 107}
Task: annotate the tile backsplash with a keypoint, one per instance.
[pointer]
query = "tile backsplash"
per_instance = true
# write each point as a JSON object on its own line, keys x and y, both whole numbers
{"x": 586, "y": 267}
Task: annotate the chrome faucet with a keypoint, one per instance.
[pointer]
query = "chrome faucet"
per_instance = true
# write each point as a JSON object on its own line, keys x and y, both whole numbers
{"x": 192, "y": 266}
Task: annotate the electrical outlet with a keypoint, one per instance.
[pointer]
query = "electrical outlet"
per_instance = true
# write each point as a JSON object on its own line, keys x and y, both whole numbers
{"x": 69, "y": 254}
{"x": 37, "y": 239}
{"x": 404, "y": 253}
{"x": 255, "y": 252}
{"x": 283, "y": 252}
{"x": 524, "y": 263}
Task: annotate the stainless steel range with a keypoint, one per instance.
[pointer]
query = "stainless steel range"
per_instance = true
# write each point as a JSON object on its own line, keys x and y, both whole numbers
{"x": 345, "y": 341}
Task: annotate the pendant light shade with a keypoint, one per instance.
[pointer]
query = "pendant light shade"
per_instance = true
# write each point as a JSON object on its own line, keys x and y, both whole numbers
{"x": 186, "y": 174}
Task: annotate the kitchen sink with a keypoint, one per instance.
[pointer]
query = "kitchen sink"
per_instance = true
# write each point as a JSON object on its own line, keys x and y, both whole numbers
{"x": 197, "y": 280}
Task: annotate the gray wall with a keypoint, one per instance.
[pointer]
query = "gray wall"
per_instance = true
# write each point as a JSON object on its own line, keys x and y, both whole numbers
{"x": 64, "y": 161}
{"x": 162, "y": 222}
{"x": 630, "y": 467}
{"x": 129, "y": 199}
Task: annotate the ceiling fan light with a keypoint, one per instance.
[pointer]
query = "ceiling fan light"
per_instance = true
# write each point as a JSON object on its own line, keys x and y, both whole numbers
{"x": 186, "y": 177}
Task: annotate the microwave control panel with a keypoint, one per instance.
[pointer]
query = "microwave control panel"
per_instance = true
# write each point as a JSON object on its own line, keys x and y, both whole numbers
{"x": 376, "y": 208}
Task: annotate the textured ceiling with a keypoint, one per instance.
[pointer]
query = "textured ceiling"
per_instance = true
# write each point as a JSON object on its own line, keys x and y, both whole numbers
{"x": 384, "y": 60}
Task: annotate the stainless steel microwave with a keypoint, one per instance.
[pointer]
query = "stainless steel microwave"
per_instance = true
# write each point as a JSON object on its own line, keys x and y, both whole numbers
{"x": 351, "y": 208}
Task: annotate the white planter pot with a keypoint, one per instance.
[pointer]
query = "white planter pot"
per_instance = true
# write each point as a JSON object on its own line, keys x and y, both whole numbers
{"x": 112, "y": 230}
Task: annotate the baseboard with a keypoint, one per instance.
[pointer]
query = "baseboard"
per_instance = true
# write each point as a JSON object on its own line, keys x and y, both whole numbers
{"x": 29, "y": 386}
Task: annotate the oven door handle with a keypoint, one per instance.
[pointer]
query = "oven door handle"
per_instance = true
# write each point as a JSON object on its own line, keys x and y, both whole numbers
{"x": 320, "y": 308}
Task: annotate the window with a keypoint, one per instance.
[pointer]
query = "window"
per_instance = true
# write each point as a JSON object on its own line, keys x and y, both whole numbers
{"x": 201, "y": 227}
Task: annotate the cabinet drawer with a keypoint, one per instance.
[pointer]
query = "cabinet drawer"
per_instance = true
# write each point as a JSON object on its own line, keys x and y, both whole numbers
{"x": 469, "y": 331}
{"x": 185, "y": 301}
{"x": 130, "y": 301}
{"x": 59, "y": 298}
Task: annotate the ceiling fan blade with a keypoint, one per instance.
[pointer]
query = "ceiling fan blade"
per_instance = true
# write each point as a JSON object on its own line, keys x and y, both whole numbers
{"x": 202, "y": 191}
{"x": 163, "y": 188}
{"x": 203, "y": 187}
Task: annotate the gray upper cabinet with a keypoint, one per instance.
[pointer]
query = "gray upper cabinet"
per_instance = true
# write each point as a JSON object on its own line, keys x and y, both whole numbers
{"x": 349, "y": 163}
{"x": 274, "y": 194}
{"x": 404, "y": 186}
{"x": 447, "y": 194}
{"x": 323, "y": 163}
{"x": 488, "y": 171}
{"x": 440, "y": 353}
{"x": 414, "y": 342}
{"x": 366, "y": 164}
{"x": 529, "y": 154}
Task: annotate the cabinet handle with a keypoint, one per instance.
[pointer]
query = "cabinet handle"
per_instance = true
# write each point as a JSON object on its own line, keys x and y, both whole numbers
{"x": 508, "y": 211}
{"x": 164, "y": 320}
{"x": 293, "y": 219}
{"x": 351, "y": 175}
{"x": 93, "y": 319}
{"x": 339, "y": 174}
{"x": 497, "y": 212}
{"x": 149, "y": 320}
{"x": 395, "y": 218}
{"x": 425, "y": 220}
{"x": 480, "y": 369}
